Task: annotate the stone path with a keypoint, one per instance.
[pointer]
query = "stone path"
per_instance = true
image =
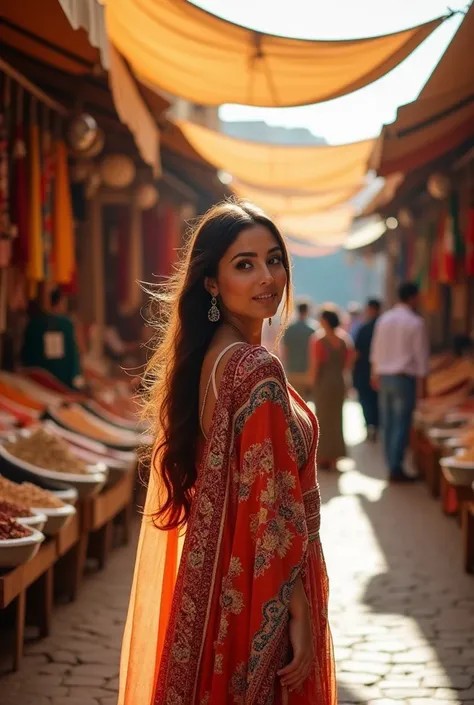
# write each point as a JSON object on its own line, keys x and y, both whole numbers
{"x": 402, "y": 610}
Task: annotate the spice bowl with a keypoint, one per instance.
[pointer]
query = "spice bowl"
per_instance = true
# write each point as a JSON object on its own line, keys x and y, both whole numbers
{"x": 37, "y": 520}
{"x": 15, "y": 552}
{"x": 55, "y": 518}
{"x": 86, "y": 484}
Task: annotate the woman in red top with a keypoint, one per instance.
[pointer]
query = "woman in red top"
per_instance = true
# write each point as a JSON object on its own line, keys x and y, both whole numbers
{"x": 330, "y": 360}
{"x": 230, "y": 593}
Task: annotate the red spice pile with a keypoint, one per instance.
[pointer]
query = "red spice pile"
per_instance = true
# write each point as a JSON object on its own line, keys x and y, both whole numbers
{"x": 13, "y": 510}
{"x": 10, "y": 529}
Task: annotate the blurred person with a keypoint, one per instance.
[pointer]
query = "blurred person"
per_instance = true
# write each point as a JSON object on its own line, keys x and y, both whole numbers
{"x": 50, "y": 342}
{"x": 399, "y": 360}
{"x": 232, "y": 491}
{"x": 354, "y": 310}
{"x": 295, "y": 351}
{"x": 368, "y": 396}
{"x": 330, "y": 359}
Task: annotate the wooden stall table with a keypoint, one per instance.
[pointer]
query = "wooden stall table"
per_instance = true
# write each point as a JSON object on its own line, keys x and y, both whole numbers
{"x": 99, "y": 513}
{"x": 71, "y": 555}
{"x": 14, "y": 585}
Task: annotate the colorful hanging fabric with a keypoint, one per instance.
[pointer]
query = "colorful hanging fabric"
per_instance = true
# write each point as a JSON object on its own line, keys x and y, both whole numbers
{"x": 20, "y": 199}
{"x": 447, "y": 261}
{"x": 47, "y": 177}
{"x": 35, "y": 270}
{"x": 64, "y": 262}
{"x": 470, "y": 243}
{"x": 456, "y": 226}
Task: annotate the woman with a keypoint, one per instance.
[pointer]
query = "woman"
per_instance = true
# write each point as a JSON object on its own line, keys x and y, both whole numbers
{"x": 229, "y": 600}
{"x": 330, "y": 361}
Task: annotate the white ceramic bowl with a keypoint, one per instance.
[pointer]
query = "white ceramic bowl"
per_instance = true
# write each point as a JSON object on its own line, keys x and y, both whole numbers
{"x": 36, "y": 521}
{"x": 69, "y": 496}
{"x": 15, "y": 552}
{"x": 55, "y": 518}
{"x": 85, "y": 483}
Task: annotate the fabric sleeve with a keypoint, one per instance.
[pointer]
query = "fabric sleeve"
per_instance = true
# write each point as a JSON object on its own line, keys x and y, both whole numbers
{"x": 270, "y": 538}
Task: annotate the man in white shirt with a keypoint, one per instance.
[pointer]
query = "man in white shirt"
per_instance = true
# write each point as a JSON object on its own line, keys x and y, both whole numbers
{"x": 399, "y": 360}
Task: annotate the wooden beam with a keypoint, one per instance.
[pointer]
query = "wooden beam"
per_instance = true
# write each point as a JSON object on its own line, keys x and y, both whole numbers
{"x": 34, "y": 90}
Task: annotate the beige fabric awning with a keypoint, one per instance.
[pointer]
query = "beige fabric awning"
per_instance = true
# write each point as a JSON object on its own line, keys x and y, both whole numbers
{"x": 192, "y": 54}
{"x": 301, "y": 249}
{"x": 303, "y": 168}
{"x": 278, "y": 203}
{"x": 133, "y": 112}
{"x": 328, "y": 228}
{"x": 441, "y": 119}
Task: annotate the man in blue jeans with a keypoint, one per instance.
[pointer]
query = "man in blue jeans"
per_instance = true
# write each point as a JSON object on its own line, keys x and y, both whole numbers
{"x": 399, "y": 364}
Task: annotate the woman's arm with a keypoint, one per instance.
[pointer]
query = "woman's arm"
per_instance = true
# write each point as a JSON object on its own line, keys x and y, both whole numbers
{"x": 301, "y": 639}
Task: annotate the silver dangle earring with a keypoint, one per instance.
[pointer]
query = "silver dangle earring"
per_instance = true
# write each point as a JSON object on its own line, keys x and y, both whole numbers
{"x": 214, "y": 314}
{"x": 269, "y": 321}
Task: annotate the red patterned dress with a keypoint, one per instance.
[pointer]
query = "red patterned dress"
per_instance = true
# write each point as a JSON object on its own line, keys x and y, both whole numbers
{"x": 253, "y": 530}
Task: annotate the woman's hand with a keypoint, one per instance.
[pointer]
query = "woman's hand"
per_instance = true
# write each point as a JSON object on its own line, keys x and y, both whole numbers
{"x": 296, "y": 672}
{"x": 301, "y": 638}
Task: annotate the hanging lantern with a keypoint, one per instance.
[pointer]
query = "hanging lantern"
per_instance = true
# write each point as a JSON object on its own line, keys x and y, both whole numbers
{"x": 117, "y": 170}
{"x": 82, "y": 133}
{"x": 81, "y": 170}
{"x": 97, "y": 146}
{"x": 146, "y": 196}
{"x": 405, "y": 217}
{"x": 438, "y": 186}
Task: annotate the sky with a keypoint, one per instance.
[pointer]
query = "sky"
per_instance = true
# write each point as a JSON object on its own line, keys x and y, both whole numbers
{"x": 361, "y": 114}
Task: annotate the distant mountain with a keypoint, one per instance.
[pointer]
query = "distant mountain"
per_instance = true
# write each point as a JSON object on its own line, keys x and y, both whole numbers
{"x": 260, "y": 131}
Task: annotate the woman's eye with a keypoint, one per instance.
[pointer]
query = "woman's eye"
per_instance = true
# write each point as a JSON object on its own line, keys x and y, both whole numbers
{"x": 244, "y": 265}
{"x": 275, "y": 260}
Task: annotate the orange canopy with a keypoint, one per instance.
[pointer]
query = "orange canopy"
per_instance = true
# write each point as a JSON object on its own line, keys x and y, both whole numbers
{"x": 328, "y": 228}
{"x": 190, "y": 53}
{"x": 441, "y": 119}
{"x": 304, "y": 168}
{"x": 279, "y": 203}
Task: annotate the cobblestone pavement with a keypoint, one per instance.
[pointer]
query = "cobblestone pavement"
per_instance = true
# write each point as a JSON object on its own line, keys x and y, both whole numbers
{"x": 402, "y": 611}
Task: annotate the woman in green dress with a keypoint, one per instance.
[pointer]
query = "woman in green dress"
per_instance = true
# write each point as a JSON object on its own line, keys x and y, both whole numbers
{"x": 330, "y": 360}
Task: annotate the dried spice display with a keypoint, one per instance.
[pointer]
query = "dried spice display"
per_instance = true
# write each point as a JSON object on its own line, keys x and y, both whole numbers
{"x": 46, "y": 451}
{"x": 10, "y": 529}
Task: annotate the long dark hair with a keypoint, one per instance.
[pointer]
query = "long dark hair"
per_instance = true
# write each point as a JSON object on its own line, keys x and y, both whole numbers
{"x": 184, "y": 334}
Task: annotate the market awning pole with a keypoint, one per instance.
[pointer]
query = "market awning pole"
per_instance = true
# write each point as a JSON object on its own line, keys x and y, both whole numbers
{"x": 31, "y": 88}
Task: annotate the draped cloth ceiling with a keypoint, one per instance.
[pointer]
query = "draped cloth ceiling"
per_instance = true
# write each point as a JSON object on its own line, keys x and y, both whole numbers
{"x": 190, "y": 53}
{"x": 270, "y": 166}
{"x": 328, "y": 228}
{"x": 278, "y": 203}
{"x": 441, "y": 119}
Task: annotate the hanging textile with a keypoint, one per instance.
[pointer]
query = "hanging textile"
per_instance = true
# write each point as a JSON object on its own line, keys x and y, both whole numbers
{"x": 133, "y": 112}
{"x": 188, "y": 52}
{"x": 447, "y": 253}
{"x": 273, "y": 166}
{"x": 6, "y": 228}
{"x": 470, "y": 243}
{"x": 64, "y": 263}
{"x": 47, "y": 177}
{"x": 133, "y": 272}
{"x": 20, "y": 199}
{"x": 329, "y": 228}
{"x": 35, "y": 269}
{"x": 288, "y": 203}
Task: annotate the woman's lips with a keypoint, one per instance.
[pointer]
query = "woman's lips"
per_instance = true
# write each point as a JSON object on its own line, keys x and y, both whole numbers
{"x": 264, "y": 297}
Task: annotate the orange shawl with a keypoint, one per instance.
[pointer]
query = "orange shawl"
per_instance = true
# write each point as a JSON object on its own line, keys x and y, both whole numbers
{"x": 219, "y": 633}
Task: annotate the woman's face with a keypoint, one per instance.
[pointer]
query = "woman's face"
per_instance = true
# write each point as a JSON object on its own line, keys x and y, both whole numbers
{"x": 251, "y": 277}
